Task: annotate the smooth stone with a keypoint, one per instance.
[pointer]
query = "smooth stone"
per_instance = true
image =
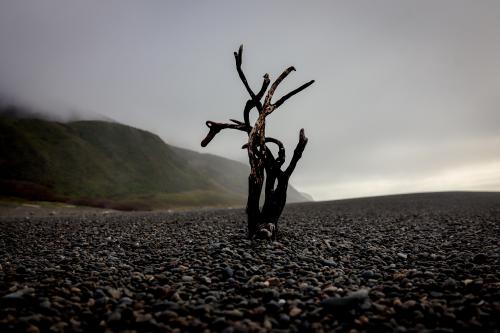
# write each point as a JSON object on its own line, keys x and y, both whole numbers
{"x": 330, "y": 263}
{"x": 273, "y": 306}
{"x": 228, "y": 272}
{"x": 349, "y": 301}
{"x": 367, "y": 274}
{"x": 295, "y": 311}
{"x": 206, "y": 279}
{"x": 234, "y": 313}
{"x": 402, "y": 255}
{"x": 269, "y": 293}
{"x": 187, "y": 278}
{"x": 480, "y": 258}
{"x": 210, "y": 299}
{"x": 284, "y": 318}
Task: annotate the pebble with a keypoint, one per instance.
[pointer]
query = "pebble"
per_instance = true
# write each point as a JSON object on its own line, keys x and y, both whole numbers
{"x": 114, "y": 293}
{"x": 341, "y": 303}
{"x": 234, "y": 313}
{"x": 195, "y": 271}
{"x": 367, "y": 274}
{"x": 295, "y": 311}
{"x": 480, "y": 258}
{"x": 450, "y": 283}
{"x": 402, "y": 255}
{"x": 284, "y": 318}
{"x": 16, "y": 297}
{"x": 206, "y": 279}
{"x": 228, "y": 272}
{"x": 330, "y": 263}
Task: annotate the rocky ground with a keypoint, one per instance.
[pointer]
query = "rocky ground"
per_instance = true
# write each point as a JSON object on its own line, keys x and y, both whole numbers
{"x": 405, "y": 263}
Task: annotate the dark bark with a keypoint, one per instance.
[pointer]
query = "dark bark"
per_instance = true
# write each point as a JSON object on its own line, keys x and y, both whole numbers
{"x": 263, "y": 165}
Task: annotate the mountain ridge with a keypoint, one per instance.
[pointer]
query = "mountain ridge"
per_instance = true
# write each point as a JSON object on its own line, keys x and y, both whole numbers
{"x": 107, "y": 164}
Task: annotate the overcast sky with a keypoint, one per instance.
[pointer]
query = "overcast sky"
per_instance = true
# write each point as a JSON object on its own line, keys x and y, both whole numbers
{"x": 406, "y": 99}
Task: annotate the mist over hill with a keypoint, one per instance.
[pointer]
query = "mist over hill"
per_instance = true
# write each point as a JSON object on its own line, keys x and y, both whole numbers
{"x": 15, "y": 107}
{"x": 107, "y": 164}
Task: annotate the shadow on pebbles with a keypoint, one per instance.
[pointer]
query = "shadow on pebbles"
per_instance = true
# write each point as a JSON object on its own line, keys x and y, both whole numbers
{"x": 394, "y": 264}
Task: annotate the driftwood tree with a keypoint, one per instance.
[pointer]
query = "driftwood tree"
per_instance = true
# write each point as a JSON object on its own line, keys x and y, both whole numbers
{"x": 264, "y": 165}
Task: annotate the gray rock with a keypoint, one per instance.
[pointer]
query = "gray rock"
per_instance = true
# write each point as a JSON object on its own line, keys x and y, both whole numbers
{"x": 17, "y": 296}
{"x": 206, "y": 279}
{"x": 330, "y": 263}
{"x": 228, "y": 272}
{"x": 368, "y": 274}
{"x": 342, "y": 303}
{"x": 402, "y": 255}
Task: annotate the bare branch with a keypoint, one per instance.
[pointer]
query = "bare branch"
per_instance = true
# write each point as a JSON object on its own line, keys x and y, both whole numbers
{"x": 281, "y": 152}
{"x": 238, "y": 57}
{"x": 297, "y": 153}
{"x": 237, "y": 122}
{"x": 246, "y": 112}
{"x": 217, "y": 127}
{"x": 291, "y": 93}
{"x": 270, "y": 93}
{"x": 263, "y": 89}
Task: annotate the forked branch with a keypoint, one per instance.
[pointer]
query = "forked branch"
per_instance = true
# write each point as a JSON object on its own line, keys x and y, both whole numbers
{"x": 270, "y": 93}
{"x": 255, "y": 98}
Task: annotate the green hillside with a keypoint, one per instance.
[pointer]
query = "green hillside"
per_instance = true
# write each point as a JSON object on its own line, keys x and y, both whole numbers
{"x": 112, "y": 165}
{"x": 231, "y": 174}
